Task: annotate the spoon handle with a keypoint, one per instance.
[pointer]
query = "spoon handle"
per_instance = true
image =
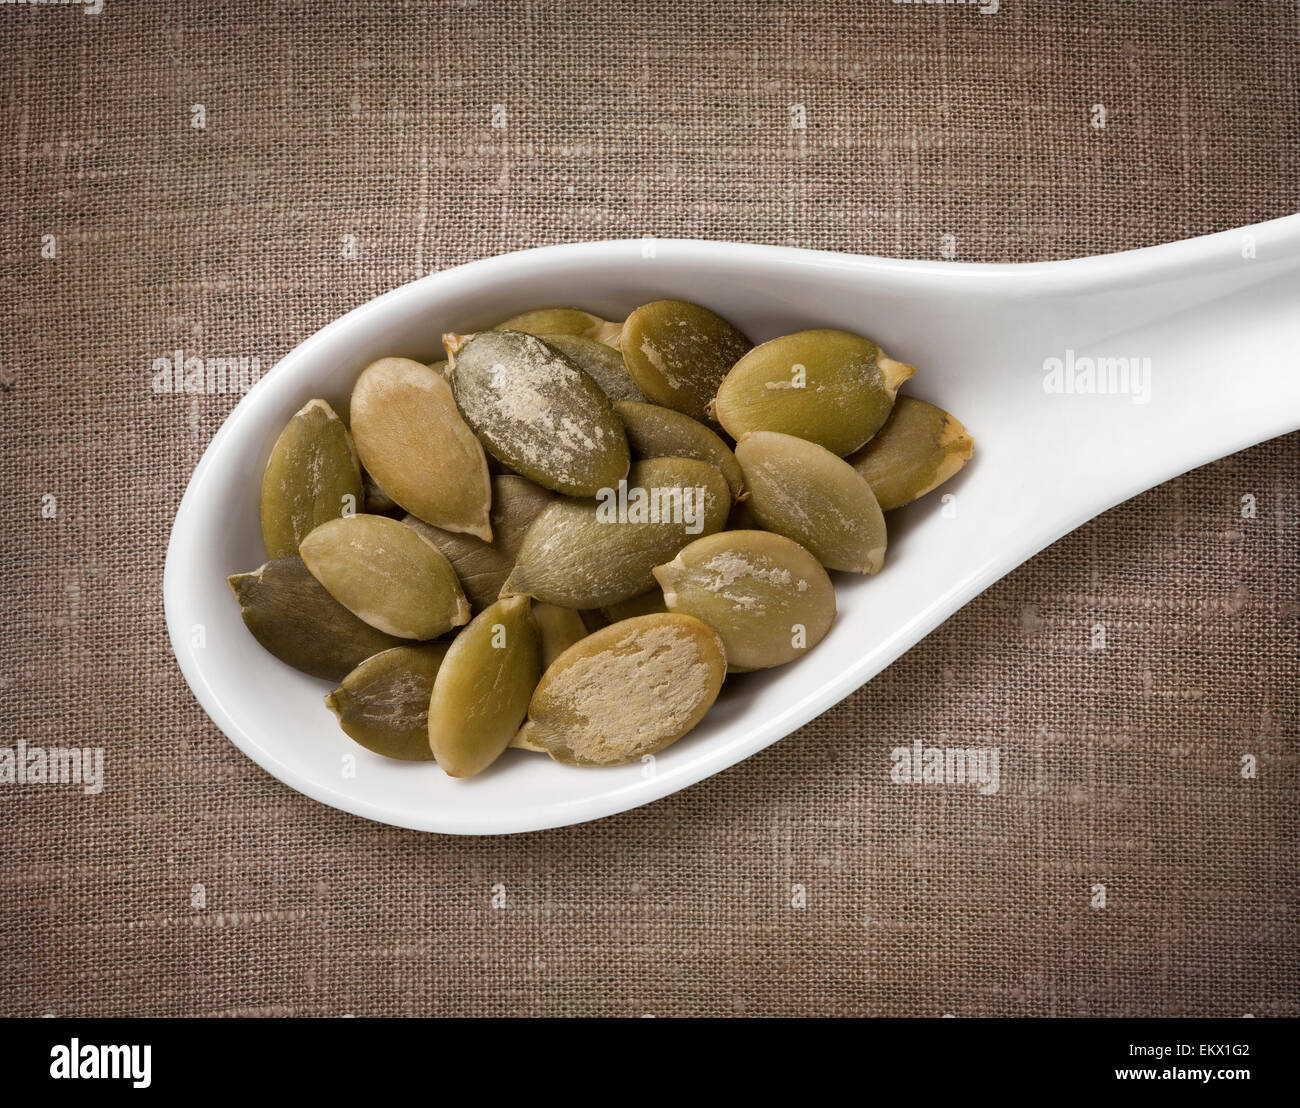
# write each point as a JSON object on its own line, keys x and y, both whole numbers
{"x": 1088, "y": 381}
{"x": 1179, "y": 354}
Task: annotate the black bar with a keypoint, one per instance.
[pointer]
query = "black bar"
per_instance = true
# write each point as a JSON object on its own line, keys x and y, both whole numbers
{"x": 337, "y": 1056}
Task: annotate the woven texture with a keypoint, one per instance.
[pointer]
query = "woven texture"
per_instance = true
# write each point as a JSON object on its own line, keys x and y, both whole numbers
{"x": 350, "y": 147}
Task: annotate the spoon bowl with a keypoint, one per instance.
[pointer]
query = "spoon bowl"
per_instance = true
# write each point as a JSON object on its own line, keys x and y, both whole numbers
{"x": 1082, "y": 382}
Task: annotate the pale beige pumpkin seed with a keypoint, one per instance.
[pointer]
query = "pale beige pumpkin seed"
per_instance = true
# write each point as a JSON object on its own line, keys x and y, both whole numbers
{"x": 482, "y": 567}
{"x": 560, "y": 628}
{"x": 564, "y": 321}
{"x": 312, "y": 475}
{"x": 833, "y": 388}
{"x": 418, "y": 449}
{"x": 916, "y": 451}
{"x": 602, "y": 363}
{"x": 806, "y": 493}
{"x": 654, "y": 431}
{"x": 292, "y": 616}
{"x": 537, "y": 412}
{"x": 768, "y": 597}
{"x": 483, "y": 687}
{"x": 626, "y": 692}
{"x": 586, "y": 554}
{"x": 386, "y": 574}
{"x": 678, "y": 353}
{"x": 383, "y": 704}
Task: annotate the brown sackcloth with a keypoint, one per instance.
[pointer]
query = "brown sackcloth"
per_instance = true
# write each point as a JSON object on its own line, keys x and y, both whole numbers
{"x": 333, "y": 118}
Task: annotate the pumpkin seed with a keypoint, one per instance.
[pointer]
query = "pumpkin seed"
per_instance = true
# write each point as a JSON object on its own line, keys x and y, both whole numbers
{"x": 482, "y": 690}
{"x": 416, "y": 446}
{"x": 564, "y": 321}
{"x": 521, "y": 741}
{"x": 803, "y": 491}
{"x": 654, "y": 431}
{"x": 386, "y": 574}
{"x": 560, "y": 628}
{"x": 482, "y": 567}
{"x": 312, "y": 475}
{"x": 585, "y": 554}
{"x": 678, "y": 353}
{"x": 626, "y": 691}
{"x": 917, "y": 450}
{"x": 537, "y": 412}
{"x": 768, "y": 597}
{"x": 603, "y": 364}
{"x": 646, "y": 604}
{"x": 831, "y": 387}
{"x": 383, "y": 704}
{"x": 292, "y": 616}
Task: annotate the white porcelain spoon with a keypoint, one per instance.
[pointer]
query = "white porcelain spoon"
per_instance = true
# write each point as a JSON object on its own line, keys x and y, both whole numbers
{"x": 1215, "y": 321}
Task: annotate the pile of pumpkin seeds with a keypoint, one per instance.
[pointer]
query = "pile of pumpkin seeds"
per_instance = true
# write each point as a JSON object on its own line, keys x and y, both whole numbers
{"x": 566, "y": 535}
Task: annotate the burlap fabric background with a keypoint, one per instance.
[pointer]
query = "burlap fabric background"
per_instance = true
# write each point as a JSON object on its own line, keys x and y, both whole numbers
{"x": 324, "y": 120}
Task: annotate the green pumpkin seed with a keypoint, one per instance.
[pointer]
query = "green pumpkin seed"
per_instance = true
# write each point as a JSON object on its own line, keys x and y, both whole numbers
{"x": 627, "y": 691}
{"x": 654, "y": 431}
{"x": 483, "y": 687}
{"x": 383, "y": 704}
{"x": 803, "y": 491}
{"x": 560, "y": 628}
{"x": 416, "y": 446}
{"x": 678, "y": 353}
{"x": 603, "y": 364}
{"x": 564, "y": 321}
{"x": 482, "y": 567}
{"x": 831, "y": 387}
{"x": 917, "y": 450}
{"x": 586, "y": 554}
{"x": 312, "y": 476}
{"x": 292, "y": 616}
{"x": 646, "y": 604}
{"x": 768, "y": 597}
{"x": 538, "y": 412}
{"x": 386, "y": 574}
